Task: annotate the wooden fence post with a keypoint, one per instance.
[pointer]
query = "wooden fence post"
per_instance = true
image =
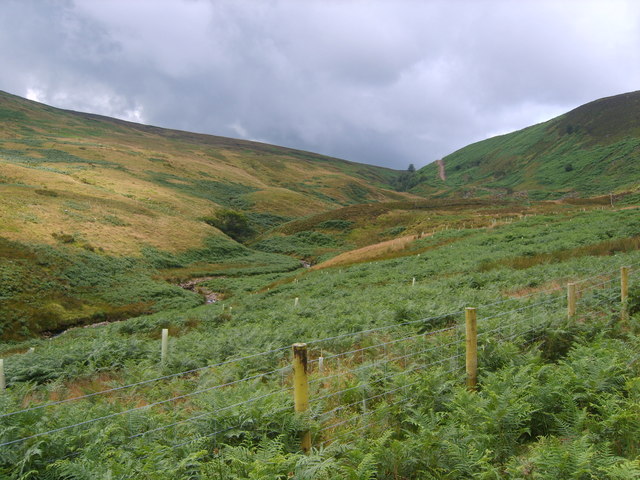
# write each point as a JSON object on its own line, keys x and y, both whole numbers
{"x": 472, "y": 347}
{"x": 165, "y": 345}
{"x": 301, "y": 388}
{"x": 3, "y": 384}
{"x": 571, "y": 300}
{"x": 624, "y": 291}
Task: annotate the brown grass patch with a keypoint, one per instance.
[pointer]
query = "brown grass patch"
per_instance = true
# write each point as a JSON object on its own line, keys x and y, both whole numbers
{"x": 370, "y": 252}
{"x": 608, "y": 247}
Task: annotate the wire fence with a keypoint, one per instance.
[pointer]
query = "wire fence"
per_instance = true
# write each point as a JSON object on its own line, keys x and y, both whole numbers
{"x": 348, "y": 383}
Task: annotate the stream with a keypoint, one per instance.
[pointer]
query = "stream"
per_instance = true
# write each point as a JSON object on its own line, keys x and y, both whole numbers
{"x": 193, "y": 286}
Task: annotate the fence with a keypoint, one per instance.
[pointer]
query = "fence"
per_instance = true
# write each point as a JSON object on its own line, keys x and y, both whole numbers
{"x": 332, "y": 384}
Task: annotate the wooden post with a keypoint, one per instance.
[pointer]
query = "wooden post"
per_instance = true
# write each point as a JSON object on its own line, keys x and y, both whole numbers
{"x": 296, "y": 301}
{"x": 165, "y": 345}
{"x": 624, "y": 292}
{"x": 571, "y": 300}
{"x": 301, "y": 388}
{"x": 624, "y": 284}
{"x": 3, "y": 384}
{"x": 413, "y": 282}
{"x": 472, "y": 347}
{"x": 323, "y": 384}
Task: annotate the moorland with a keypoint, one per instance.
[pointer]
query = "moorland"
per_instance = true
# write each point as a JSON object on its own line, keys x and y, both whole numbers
{"x": 111, "y": 232}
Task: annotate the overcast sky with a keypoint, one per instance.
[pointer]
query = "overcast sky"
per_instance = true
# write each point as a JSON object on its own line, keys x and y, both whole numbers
{"x": 382, "y": 82}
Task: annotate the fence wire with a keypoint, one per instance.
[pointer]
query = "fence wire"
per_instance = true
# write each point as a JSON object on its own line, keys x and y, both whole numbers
{"x": 593, "y": 295}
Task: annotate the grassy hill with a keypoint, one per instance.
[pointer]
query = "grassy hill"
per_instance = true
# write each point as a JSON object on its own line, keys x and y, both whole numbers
{"x": 120, "y": 185}
{"x": 100, "y": 219}
{"x": 557, "y": 397}
{"x": 592, "y": 150}
{"x": 97, "y": 212}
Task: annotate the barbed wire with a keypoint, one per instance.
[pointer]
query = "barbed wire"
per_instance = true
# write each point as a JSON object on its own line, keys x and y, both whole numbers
{"x": 142, "y": 407}
{"x": 598, "y": 298}
{"x": 517, "y": 334}
{"x": 366, "y": 399}
{"x": 384, "y": 327}
{"x": 596, "y": 285}
{"x": 387, "y": 377}
{"x": 207, "y": 414}
{"x": 315, "y": 342}
{"x": 516, "y": 310}
{"x": 502, "y": 327}
{"x": 369, "y": 412}
{"x": 390, "y": 342}
{"x": 209, "y": 435}
{"x": 351, "y": 431}
{"x": 143, "y": 382}
{"x": 383, "y": 362}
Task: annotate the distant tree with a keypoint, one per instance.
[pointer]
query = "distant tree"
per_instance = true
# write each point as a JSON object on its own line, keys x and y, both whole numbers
{"x": 407, "y": 179}
{"x": 235, "y": 224}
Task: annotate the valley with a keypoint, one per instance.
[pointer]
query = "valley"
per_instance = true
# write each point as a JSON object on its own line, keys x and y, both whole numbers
{"x": 240, "y": 250}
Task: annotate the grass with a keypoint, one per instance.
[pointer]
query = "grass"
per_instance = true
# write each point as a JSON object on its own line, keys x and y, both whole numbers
{"x": 149, "y": 186}
{"x": 47, "y": 289}
{"x": 87, "y": 242}
{"x": 382, "y": 250}
{"x": 538, "y": 398}
{"x": 587, "y": 152}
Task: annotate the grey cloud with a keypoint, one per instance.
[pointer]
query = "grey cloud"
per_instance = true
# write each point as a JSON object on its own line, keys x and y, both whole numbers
{"x": 388, "y": 83}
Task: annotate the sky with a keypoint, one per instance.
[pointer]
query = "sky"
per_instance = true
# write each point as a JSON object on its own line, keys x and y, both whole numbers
{"x": 389, "y": 83}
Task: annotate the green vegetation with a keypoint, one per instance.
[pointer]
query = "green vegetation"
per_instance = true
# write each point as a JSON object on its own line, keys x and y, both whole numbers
{"x": 592, "y": 150}
{"x": 151, "y": 186}
{"x": 47, "y": 290}
{"x": 406, "y": 180}
{"x": 232, "y": 223}
{"x": 110, "y": 224}
{"x": 557, "y": 397}
{"x": 305, "y": 244}
{"x": 228, "y": 195}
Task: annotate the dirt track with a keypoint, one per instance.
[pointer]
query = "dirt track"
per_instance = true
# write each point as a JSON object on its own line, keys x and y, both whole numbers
{"x": 441, "y": 173}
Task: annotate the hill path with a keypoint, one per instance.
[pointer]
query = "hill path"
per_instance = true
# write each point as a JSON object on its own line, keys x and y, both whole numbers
{"x": 441, "y": 172}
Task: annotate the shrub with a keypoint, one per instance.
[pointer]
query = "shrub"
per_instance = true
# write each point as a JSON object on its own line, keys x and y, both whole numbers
{"x": 335, "y": 224}
{"x": 232, "y": 223}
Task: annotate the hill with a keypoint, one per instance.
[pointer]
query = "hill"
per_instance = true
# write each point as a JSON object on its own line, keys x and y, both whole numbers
{"x": 105, "y": 179}
{"x": 592, "y": 150}
{"x": 556, "y": 392}
{"x": 97, "y": 212}
{"x": 556, "y": 397}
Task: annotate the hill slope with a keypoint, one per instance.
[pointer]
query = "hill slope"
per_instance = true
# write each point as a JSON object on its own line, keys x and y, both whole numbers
{"x": 96, "y": 213}
{"x": 592, "y": 150}
{"x": 121, "y": 185}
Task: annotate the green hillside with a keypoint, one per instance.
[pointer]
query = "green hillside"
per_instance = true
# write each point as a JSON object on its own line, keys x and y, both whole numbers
{"x": 96, "y": 213}
{"x": 592, "y": 150}
{"x": 129, "y": 230}
{"x": 100, "y": 177}
{"x": 557, "y": 397}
